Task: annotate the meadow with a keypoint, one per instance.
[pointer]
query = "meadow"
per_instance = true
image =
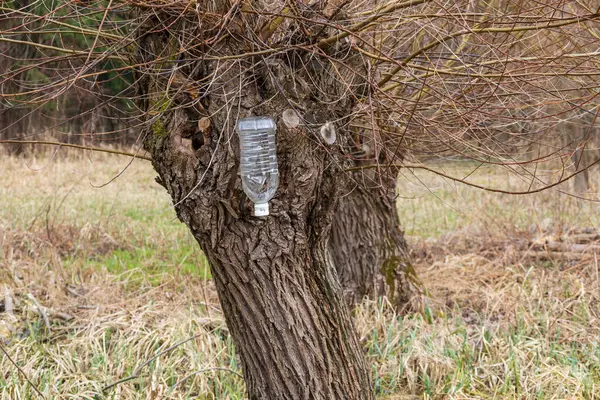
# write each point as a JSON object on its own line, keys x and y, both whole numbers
{"x": 104, "y": 294}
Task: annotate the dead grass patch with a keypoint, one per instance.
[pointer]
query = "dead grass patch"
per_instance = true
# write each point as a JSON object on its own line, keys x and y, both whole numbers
{"x": 513, "y": 312}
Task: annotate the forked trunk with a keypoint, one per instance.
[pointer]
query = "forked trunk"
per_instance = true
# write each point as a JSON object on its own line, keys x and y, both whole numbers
{"x": 274, "y": 275}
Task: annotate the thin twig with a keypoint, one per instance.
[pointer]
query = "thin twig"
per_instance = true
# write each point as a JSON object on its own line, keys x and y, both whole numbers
{"x": 136, "y": 373}
{"x": 185, "y": 378}
{"x": 76, "y": 146}
{"x": 487, "y": 189}
{"x": 63, "y": 50}
{"x": 62, "y": 315}
{"x": 41, "y": 310}
{"x": 513, "y": 29}
{"x": 21, "y": 371}
{"x": 385, "y": 11}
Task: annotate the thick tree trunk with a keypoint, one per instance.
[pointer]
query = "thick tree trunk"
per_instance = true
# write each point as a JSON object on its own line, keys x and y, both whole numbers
{"x": 275, "y": 277}
{"x": 368, "y": 247}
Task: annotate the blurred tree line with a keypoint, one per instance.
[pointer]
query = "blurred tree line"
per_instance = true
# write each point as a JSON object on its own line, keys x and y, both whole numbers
{"x": 93, "y": 109}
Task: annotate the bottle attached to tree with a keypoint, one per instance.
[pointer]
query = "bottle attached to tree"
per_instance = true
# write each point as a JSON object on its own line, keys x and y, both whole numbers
{"x": 258, "y": 161}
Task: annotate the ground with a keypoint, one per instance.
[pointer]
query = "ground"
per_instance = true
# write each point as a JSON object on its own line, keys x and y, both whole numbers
{"x": 99, "y": 283}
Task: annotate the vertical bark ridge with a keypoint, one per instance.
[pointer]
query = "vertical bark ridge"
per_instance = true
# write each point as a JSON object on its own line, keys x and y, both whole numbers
{"x": 293, "y": 331}
{"x": 368, "y": 246}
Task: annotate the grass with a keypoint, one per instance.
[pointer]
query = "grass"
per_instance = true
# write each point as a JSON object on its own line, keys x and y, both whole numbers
{"x": 431, "y": 205}
{"x": 127, "y": 292}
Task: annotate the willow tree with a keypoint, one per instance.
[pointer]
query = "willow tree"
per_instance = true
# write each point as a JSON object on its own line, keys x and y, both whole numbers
{"x": 340, "y": 139}
{"x": 360, "y": 92}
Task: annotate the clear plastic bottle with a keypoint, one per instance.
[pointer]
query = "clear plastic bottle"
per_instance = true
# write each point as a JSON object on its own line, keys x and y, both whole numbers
{"x": 258, "y": 161}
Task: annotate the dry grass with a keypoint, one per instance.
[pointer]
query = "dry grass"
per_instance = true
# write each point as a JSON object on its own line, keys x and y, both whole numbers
{"x": 120, "y": 281}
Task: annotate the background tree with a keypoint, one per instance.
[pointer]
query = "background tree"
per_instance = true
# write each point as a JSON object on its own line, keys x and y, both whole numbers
{"x": 42, "y": 43}
{"x": 395, "y": 84}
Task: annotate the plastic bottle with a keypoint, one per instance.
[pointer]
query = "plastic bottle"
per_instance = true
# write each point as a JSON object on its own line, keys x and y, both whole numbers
{"x": 258, "y": 161}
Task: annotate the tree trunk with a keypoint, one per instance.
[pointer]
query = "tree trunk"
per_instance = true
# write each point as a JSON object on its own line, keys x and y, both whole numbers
{"x": 368, "y": 247}
{"x": 275, "y": 278}
{"x": 367, "y": 242}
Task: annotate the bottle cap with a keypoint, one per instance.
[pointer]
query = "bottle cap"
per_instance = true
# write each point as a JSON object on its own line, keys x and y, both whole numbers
{"x": 261, "y": 209}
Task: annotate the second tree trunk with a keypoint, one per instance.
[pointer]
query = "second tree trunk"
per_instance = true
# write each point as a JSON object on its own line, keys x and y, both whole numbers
{"x": 368, "y": 246}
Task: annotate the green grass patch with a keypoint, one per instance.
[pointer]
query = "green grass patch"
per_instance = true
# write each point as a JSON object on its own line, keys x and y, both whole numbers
{"x": 154, "y": 264}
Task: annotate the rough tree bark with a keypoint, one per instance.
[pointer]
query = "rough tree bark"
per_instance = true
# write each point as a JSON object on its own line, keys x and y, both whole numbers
{"x": 367, "y": 242}
{"x": 275, "y": 277}
{"x": 368, "y": 246}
